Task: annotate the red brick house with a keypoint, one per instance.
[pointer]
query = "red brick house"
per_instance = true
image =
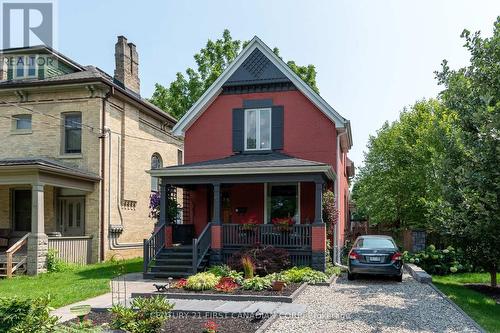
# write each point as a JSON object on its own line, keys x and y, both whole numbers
{"x": 260, "y": 148}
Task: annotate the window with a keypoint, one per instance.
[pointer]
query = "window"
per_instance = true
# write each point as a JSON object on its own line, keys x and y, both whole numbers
{"x": 22, "y": 122}
{"x": 283, "y": 202}
{"x": 156, "y": 163}
{"x": 25, "y": 67}
{"x": 73, "y": 133}
{"x": 258, "y": 129}
{"x": 180, "y": 158}
{"x": 375, "y": 243}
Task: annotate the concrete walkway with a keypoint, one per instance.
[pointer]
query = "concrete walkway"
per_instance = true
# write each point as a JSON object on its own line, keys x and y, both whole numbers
{"x": 134, "y": 283}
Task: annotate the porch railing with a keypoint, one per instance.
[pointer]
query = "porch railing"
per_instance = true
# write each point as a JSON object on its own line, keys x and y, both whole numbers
{"x": 153, "y": 246}
{"x": 74, "y": 249}
{"x": 201, "y": 245}
{"x": 297, "y": 236}
{"x": 12, "y": 267}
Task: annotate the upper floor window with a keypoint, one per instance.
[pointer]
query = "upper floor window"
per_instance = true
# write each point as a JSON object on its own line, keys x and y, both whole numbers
{"x": 22, "y": 122}
{"x": 180, "y": 157}
{"x": 25, "y": 67}
{"x": 72, "y": 133}
{"x": 258, "y": 129}
{"x": 156, "y": 163}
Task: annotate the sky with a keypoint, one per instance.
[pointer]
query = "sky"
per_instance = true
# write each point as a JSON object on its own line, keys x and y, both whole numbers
{"x": 372, "y": 57}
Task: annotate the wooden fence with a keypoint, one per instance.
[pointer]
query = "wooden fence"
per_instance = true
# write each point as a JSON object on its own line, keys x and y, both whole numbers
{"x": 76, "y": 250}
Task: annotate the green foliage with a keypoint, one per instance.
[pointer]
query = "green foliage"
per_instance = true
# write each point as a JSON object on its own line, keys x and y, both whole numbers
{"x": 333, "y": 270}
{"x": 202, "y": 281}
{"x": 83, "y": 327}
{"x": 226, "y": 271}
{"x": 26, "y": 315}
{"x": 304, "y": 274}
{"x": 211, "y": 61}
{"x": 257, "y": 283}
{"x": 438, "y": 262}
{"x": 248, "y": 267}
{"x": 54, "y": 264}
{"x": 469, "y": 209}
{"x": 330, "y": 212}
{"x": 144, "y": 316}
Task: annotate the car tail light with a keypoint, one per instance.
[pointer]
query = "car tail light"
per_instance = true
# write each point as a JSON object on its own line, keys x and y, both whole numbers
{"x": 354, "y": 255}
{"x": 396, "y": 256}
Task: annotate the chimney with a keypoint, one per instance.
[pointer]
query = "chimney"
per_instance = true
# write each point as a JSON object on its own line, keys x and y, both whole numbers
{"x": 127, "y": 64}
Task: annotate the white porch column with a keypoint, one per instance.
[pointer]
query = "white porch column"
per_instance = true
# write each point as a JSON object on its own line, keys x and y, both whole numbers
{"x": 37, "y": 241}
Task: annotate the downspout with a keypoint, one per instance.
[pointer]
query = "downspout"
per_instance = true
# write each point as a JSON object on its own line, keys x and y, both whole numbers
{"x": 336, "y": 239}
{"x": 116, "y": 229}
{"x": 103, "y": 168}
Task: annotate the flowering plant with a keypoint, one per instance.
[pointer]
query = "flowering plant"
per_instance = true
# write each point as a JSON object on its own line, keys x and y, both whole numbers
{"x": 226, "y": 284}
{"x": 154, "y": 207}
{"x": 180, "y": 284}
{"x": 210, "y": 327}
{"x": 283, "y": 223}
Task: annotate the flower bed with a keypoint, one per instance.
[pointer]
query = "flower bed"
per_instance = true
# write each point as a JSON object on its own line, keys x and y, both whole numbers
{"x": 189, "y": 323}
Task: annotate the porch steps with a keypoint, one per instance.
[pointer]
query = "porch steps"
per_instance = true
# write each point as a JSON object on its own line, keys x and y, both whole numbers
{"x": 15, "y": 261}
{"x": 174, "y": 262}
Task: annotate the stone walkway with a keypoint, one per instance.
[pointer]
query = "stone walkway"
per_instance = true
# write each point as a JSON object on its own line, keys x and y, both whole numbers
{"x": 136, "y": 284}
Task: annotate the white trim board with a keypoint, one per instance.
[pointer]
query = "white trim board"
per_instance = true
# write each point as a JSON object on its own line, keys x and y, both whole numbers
{"x": 215, "y": 89}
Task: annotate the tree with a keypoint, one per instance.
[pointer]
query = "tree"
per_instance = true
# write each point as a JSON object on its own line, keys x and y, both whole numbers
{"x": 397, "y": 180}
{"x": 211, "y": 61}
{"x": 470, "y": 168}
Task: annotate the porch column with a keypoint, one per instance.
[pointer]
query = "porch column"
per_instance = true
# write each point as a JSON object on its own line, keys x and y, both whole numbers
{"x": 164, "y": 194}
{"x": 216, "y": 229}
{"x": 318, "y": 245}
{"x": 37, "y": 240}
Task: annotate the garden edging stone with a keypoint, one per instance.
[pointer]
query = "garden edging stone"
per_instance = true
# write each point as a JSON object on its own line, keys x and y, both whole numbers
{"x": 418, "y": 273}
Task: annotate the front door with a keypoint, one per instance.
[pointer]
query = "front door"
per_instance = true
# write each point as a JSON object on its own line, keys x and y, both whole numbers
{"x": 21, "y": 210}
{"x": 72, "y": 216}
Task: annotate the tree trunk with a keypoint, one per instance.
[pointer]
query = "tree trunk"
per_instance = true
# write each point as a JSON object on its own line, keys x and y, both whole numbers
{"x": 493, "y": 276}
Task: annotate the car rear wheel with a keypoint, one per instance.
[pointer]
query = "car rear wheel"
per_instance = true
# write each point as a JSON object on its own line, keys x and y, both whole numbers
{"x": 399, "y": 278}
{"x": 350, "y": 276}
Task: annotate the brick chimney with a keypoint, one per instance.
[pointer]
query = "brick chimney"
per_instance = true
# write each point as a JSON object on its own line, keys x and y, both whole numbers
{"x": 127, "y": 64}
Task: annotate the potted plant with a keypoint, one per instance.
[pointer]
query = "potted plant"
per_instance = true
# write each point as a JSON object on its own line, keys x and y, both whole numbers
{"x": 249, "y": 225}
{"x": 283, "y": 224}
{"x": 278, "y": 283}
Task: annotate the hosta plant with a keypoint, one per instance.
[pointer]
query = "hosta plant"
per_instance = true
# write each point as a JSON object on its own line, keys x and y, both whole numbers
{"x": 304, "y": 274}
{"x": 201, "y": 281}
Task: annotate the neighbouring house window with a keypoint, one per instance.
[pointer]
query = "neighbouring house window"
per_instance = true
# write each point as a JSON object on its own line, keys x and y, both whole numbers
{"x": 25, "y": 67}
{"x": 22, "y": 122}
{"x": 73, "y": 133}
{"x": 283, "y": 202}
{"x": 156, "y": 163}
{"x": 180, "y": 157}
{"x": 258, "y": 129}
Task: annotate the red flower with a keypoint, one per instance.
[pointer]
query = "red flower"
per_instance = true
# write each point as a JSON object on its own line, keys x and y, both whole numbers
{"x": 181, "y": 283}
{"x": 210, "y": 327}
{"x": 226, "y": 284}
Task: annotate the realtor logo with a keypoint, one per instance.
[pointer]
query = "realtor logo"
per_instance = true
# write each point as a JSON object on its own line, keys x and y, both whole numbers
{"x": 27, "y": 23}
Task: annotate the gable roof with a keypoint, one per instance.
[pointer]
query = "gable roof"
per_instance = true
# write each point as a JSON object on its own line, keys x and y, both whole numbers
{"x": 234, "y": 73}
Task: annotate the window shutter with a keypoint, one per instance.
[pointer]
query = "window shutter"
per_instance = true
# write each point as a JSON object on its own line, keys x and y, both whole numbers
{"x": 238, "y": 130}
{"x": 277, "y": 124}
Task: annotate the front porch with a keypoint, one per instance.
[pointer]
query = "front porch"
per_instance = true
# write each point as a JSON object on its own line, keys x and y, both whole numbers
{"x": 227, "y": 209}
{"x": 44, "y": 205}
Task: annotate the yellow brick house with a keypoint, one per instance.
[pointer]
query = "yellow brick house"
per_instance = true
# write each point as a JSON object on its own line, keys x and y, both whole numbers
{"x": 75, "y": 144}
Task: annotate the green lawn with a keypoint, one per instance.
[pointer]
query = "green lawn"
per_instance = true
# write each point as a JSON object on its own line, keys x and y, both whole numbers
{"x": 481, "y": 308}
{"x": 69, "y": 286}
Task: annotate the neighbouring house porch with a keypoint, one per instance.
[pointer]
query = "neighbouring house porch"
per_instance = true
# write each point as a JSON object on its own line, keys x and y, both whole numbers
{"x": 43, "y": 205}
{"x": 237, "y": 202}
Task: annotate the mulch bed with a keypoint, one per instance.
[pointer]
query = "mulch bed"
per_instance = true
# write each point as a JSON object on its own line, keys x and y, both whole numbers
{"x": 287, "y": 291}
{"x": 189, "y": 323}
{"x": 493, "y": 292}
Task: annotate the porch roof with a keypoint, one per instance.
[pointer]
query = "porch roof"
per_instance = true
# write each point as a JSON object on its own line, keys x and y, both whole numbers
{"x": 248, "y": 164}
{"x": 34, "y": 170}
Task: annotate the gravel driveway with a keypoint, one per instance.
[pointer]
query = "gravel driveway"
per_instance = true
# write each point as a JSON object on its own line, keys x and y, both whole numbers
{"x": 371, "y": 305}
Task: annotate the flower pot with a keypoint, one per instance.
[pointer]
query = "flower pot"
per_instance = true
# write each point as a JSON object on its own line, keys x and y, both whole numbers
{"x": 278, "y": 285}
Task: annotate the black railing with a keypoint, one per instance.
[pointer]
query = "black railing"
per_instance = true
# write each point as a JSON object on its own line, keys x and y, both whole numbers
{"x": 201, "y": 245}
{"x": 153, "y": 246}
{"x": 298, "y": 236}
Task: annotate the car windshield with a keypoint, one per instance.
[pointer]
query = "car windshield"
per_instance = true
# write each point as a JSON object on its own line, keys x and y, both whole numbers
{"x": 375, "y": 243}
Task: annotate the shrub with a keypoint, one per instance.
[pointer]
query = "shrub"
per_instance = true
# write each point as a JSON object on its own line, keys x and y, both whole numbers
{"x": 84, "y": 327}
{"x": 201, "y": 281}
{"x": 54, "y": 264}
{"x": 333, "y": 270}
{"x": 145, "y": 315}
{"x": 438, "y": 262}
{"x": 226, "y": 271}
{"x": 180, "y": 284}
{"x": 248, "y": 267}
{"x": 210, "y": 327}
{"x": 267, "y": 259}
{"x": 257, "y": 283}
{"x": 26, "y": 315}
{"x": 304, "y": 274}
{"x": 226, "y": 284}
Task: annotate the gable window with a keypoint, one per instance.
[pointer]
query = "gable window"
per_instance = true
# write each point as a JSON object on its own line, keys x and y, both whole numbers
{"x": 258, "y": 129}
{"x": 22, "y": 122}
{"x": 25, "y": 67}
{"x": 72, "y": 133}
{"x": 156, "y": 163}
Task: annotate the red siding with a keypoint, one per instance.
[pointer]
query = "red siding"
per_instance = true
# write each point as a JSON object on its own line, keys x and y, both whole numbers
{"x": 308, "y": 133}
